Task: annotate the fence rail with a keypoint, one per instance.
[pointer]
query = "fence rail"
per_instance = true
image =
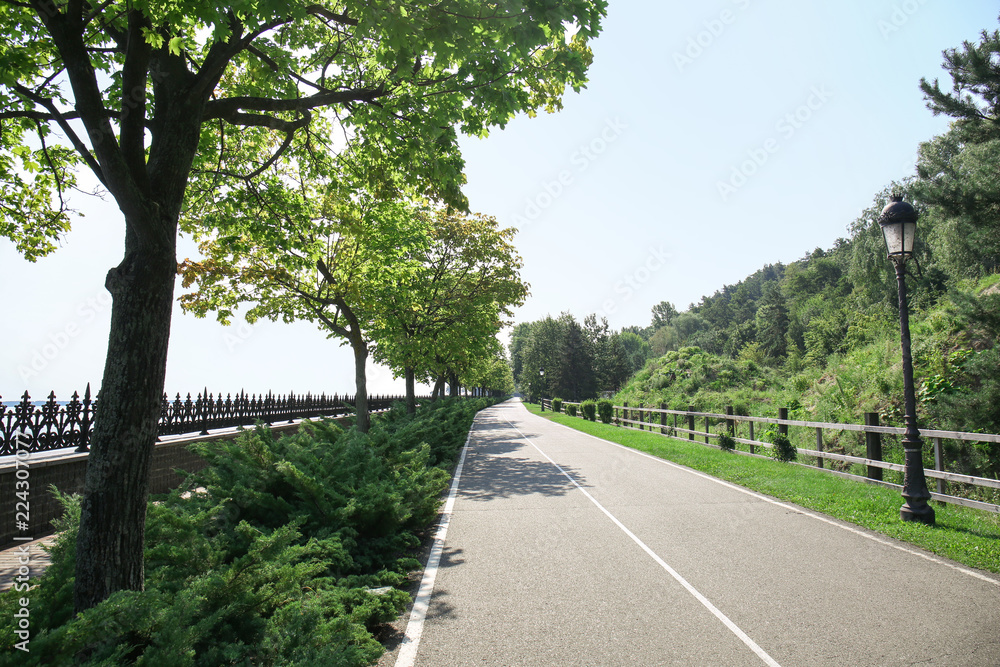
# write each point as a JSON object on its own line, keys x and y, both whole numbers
{"x": 639, "y": 417}
{"x": 55, "y": 425}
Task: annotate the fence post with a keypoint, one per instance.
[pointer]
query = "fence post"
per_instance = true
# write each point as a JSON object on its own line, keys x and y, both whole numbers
{"x": 753, "y": 448}
{"x": 873, "y": 446}
{"x": 939, "y": 463}
{"x": 783, "y": 428}
{"x": 691, "y": 422}
{"x": 541, "y": 402}
{"x": 87, "y": 422}
{"x": 819, "y": 446}
{"x": 625, "y": 414}
{"x": 663, "y": 419}
{"x": 707, "y": 430}
{"x": 730, "y": 424}
{"x": 204, "y": 414}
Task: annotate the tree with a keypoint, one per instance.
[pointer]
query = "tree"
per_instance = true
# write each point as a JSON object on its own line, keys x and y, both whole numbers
{"x": 463, "y": 284}
{"x": 974, "y": 100}
{"x": 340, "y": 273}
{"x": 573, "y": 373}
{"x": 771, "y": 322}
{"x": 636, "y": 349}
{"x": 616, "y": 364}
{"x": 491, "y": 374}
{"x": 663, "y": 314}
{"x": 957, "y": 170}
{"x": 540, "y": 351}
{"x": 153, "y": 98}
{"x": 664, "y": 340}
{"x": 957, "y": 182}
{"x": 601, "y": 349}
{"x": 519, "y": 337}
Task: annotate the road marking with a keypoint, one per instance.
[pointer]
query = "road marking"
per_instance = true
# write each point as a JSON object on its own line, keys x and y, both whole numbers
{"x": 793, "y": 508}
{"x": 751, "y": 644}
{"x": 415, "y": 627}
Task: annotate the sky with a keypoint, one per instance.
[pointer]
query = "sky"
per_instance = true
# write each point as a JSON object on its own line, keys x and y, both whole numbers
{"x": 713, "y": 138}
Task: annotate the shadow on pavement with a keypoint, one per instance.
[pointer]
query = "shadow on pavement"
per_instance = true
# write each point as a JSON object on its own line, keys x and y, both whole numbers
{"x": 494, "y": 470}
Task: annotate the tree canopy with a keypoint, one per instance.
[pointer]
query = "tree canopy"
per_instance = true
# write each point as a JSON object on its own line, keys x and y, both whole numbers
{"x": 449, "y": 309}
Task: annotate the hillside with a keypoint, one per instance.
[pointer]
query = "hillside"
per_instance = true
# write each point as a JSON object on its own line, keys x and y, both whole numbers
{"x": 955, "y": 364}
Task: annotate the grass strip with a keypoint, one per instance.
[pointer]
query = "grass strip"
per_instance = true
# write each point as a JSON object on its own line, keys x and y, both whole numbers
{"x": 965, "y": 535}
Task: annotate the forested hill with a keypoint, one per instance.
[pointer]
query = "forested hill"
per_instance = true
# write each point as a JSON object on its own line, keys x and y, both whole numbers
{"x": 821, "y": 334}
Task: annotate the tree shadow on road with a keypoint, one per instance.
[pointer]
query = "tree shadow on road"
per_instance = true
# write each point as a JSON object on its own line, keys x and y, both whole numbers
{"x": 498, "y": 466}
{"x": 439, "y": 606}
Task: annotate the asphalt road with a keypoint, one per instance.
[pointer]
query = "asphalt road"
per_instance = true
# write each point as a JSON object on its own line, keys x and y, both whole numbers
{"x": 563, "y": 549}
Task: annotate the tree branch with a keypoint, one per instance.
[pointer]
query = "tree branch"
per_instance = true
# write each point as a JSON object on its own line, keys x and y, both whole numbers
{"x": 133, "y": 115}
{"x": 84, "y": 152}
{"x": 38, "y": 115}
{"x": 55, "y": 172}
{"x": 323, "y": 12}
{"x": 278, "y": 69}
{"x": 228, "y": 106}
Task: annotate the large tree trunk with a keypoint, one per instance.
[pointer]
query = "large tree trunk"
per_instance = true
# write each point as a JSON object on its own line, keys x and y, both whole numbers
{"x": 109, "y": 552}
{"x": 411, "y": 393}
{"x": 438, "y": 388}
{"x": 453, "y": 392}
{"x": 363, "y": 419}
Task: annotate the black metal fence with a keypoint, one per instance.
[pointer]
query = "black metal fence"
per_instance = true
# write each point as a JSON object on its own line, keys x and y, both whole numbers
{"x": 55, "y": 425}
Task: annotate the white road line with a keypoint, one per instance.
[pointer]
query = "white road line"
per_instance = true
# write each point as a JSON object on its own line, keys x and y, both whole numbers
{"x": 793, "y": 508}
{"x": 671, "y": 571}
{"x": 415, "y": 627}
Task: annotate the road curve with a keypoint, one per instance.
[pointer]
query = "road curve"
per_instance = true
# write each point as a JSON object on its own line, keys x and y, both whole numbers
{"x": 563, "y": 549}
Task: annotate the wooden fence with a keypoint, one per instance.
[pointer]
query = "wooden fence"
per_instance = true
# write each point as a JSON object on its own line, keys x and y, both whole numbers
{"x": 684, "y": 423}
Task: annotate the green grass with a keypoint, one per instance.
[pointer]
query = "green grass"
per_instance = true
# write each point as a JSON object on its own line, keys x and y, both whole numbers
{"x": 969, "y": 536}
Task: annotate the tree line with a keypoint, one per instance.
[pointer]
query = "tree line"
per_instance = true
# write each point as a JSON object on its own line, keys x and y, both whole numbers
{"x": 561, "y": 357}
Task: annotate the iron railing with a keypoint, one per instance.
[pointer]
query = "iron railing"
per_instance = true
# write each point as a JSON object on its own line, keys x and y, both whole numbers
{"x": 56, "y": 425}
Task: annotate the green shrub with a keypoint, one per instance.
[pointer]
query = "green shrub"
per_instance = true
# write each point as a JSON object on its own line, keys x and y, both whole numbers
{"x": 606, "y": 410}
{"x": 589, "y": 408}
{"x": 726, "y": 441}
{"x": 571, "y": 410}
{"x": 556, "y": 404}
{"x": 783, "y": 450}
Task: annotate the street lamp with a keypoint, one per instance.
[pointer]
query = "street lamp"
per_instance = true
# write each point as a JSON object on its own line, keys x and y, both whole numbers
{"x": 899, "y": 226}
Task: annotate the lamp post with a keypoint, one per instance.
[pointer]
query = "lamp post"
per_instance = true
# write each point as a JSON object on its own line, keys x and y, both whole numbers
{"x": 541, "y": 388}
{"x": 899, "y": 226}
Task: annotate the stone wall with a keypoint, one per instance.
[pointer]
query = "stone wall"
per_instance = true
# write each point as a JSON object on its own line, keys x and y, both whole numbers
{"x": 67, "y": 473}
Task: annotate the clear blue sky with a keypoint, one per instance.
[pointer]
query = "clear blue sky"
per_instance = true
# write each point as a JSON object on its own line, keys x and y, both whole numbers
{"x": 713, "y": 138}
